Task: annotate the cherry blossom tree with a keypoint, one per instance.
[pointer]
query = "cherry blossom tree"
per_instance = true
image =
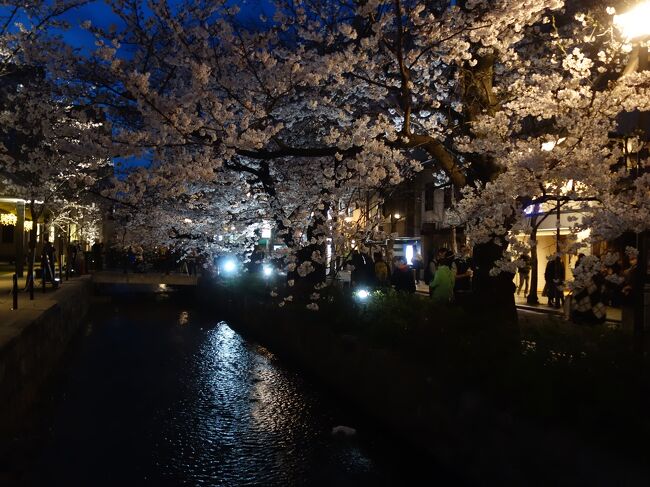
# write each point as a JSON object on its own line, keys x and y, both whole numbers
{"x": 49, "y": 150}
{"x": 319, "y": 102}
{"x": 560, "y": 136}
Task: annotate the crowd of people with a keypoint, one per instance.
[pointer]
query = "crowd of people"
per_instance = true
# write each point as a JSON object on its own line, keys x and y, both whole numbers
{"x": 448, "y": 275}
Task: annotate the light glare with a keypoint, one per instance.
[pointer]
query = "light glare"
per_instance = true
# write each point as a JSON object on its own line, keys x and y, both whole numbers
{"x": 229, "y": 266}
{"x": 362, "y": 294}
{"x": 635, "y": 23}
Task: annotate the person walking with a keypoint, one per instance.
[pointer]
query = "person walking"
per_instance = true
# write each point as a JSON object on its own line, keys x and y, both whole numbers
{"x": 441, "y": 288}
{"x": 524, "y": 273}
{"x": 402, "y": 277}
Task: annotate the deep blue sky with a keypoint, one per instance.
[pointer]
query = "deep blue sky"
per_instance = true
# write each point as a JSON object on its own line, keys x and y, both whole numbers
{"x": 98, "y": 13}
{"x": 102, "y": 15}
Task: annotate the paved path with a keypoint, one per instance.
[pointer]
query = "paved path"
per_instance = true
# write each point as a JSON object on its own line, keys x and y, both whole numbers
{"x": 12, "y": 322}
{"x": 613, "y": 314}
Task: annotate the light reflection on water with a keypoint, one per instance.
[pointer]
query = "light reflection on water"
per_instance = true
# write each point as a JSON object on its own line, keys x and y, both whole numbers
{"x": 148, "y": 402}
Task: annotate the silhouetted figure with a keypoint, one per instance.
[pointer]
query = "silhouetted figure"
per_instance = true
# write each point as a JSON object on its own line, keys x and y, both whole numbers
{"x": 524, "y": 274}
{"x": 554, "y": 277}
{"x": 402, "y": 277}
{"x": 73, "y": 248}
{"x": 463, "y": 271}
{"x": 47, "y": 263}
{"x": 96, "y": 249}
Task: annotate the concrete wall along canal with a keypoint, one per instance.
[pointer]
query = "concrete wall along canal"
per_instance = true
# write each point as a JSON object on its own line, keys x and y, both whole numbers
{"x": 32, "y": 341}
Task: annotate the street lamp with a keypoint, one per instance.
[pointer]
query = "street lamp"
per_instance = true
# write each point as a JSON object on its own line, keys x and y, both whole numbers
{"x": 548, "y": 147}
{"x": 634, "y": 24}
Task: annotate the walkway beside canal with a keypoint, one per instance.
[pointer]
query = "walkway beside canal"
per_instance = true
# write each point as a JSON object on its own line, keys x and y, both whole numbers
{"x": 33, "y": 338}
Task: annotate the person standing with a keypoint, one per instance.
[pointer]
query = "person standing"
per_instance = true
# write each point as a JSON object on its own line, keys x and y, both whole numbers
{"x": 96, "y": 249}
{"x": 554, "y": 278}
{"x": 442, "y": 285}
{"x": 524, "y": 273}
{"x": 430, "y": 268}
{"x": 73, "y": 248}
{"x": 402, "y": 277}
{"x": 462, "y": 267}
{"x": 418, "y": 264}
{"x": 382, "y": 273}
{"x": 47, "y": 263}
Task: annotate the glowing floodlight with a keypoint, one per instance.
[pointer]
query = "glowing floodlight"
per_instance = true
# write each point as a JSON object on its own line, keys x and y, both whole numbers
{"x": 267, "y": 270}
{"x": 362, "y": 294}
{"x": 229, "y": 266}
{"x": 550, "y": 145}
{"x": 635, "y": 24}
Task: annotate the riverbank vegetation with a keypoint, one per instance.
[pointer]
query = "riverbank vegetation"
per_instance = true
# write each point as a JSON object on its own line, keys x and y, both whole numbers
{"x": 544, "y": 370}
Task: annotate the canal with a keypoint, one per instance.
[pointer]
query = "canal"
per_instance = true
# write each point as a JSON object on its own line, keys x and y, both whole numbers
{"x": 155, "y": 392}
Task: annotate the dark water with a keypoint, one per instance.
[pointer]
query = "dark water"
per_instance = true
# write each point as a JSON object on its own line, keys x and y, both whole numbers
{"x": 161, "y": 394}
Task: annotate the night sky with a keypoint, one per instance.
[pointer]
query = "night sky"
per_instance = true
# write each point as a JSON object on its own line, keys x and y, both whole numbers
{"x": 102, "y": 15}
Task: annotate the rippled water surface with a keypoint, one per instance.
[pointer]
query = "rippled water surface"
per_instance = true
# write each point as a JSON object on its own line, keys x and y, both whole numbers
{"x": 159, "y": 394}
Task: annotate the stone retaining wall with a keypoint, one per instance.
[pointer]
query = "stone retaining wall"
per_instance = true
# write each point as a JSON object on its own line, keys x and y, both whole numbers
{"x": 27, "y": 358}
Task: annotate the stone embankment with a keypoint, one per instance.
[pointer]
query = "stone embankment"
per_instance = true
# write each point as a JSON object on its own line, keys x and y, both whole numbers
{"x": 32, "y": 340}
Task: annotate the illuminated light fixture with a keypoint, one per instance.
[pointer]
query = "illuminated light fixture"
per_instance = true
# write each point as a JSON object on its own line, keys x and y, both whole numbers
{"x": 635, "y": 23}
{"x": 232, "y": 228}
{"x": 267, "y": 270}
{"x": 229, "y": 266}
{"x": 397, "y": 216}
{"x": 409, "y": 254}
{"x": 550, "y": 145}
{"x": 362, "y": 294}
{"x": 29, "y": 225}
{"x": 187, "y": 220}
{"x": 8, "y": 219}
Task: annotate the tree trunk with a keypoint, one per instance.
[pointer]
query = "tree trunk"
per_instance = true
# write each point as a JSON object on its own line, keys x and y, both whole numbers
{"x": 494, "y": 302}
